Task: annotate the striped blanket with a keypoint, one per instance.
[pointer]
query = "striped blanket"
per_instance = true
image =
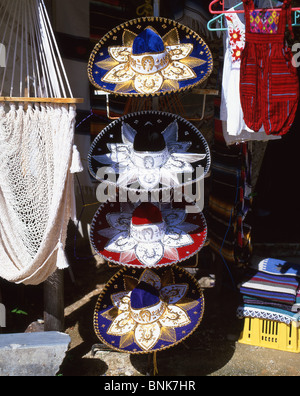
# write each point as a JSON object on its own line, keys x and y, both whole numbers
{"x": 263, "y": 309}
{"x": 277, "y": 288}
{"x": 228, "y": 232}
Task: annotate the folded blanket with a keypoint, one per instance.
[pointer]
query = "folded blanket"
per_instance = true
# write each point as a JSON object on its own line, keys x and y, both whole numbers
{"x": 248, "y": 300}
{"x": 279, "y": 267}
{"x": 269, "y": 313}
{"x": 278, "y": 288}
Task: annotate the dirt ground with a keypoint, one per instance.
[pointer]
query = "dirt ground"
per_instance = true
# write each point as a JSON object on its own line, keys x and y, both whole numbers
{"x": 213, "y": 350}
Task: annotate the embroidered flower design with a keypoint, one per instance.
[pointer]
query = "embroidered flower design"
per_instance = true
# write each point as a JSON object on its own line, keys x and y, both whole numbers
{"x": 146, "y": 324}
{"x": 236, "y": 53}
{"x": 148, "y": 243}
{"x": 149, "y": 169}
{"x": 235, "y": 36}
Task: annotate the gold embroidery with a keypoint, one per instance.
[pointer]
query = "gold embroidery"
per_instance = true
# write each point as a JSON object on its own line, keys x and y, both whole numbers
{"x": 145, "y": 9}
{"x": 151, "y": 73}
{"x": 146, "y": 335}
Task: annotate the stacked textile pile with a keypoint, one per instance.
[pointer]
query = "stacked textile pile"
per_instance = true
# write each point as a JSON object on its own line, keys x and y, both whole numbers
{"x": 272, "y": 292}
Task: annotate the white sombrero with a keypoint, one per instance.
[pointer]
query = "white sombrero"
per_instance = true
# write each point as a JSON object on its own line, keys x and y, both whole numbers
{"x": 149, "y": 151}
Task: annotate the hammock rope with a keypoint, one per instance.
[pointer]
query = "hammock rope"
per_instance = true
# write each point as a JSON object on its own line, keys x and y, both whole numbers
{"x": 29, "y": 42}
{"x": 38, "y": 157}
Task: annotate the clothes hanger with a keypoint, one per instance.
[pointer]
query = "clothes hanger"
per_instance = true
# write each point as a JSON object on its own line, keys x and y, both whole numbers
{"x": 217, "y": 23}
{"x": 222, "y": 10}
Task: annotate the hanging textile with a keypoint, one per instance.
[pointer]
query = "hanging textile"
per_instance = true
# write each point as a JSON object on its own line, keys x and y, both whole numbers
{"x": 269, "y": 85}
{"x": 230, "y": 199}
{"x": 38, "y": 156}
{"x": 234, "y": 128}
{"x": 35, "y": 190}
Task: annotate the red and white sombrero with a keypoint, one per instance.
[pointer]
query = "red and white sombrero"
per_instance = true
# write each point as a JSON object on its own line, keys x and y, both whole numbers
{"x": 147, "y": 234}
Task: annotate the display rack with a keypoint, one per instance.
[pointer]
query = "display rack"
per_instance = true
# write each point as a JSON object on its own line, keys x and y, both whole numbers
{"x": 221, "y": 8}
{"x": 217, "y": 23}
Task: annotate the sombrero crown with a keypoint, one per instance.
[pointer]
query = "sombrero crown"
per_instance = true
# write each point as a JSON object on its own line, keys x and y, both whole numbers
{"x": 146, "y": 213}
{"x": 149, "y": 56}
{"x": 147, "y": 41}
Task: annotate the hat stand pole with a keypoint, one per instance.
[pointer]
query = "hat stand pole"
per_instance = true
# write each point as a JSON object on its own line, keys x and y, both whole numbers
{"x": 156, "y": 13}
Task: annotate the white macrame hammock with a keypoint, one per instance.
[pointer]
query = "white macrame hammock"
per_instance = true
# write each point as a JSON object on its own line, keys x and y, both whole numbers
{"x": 37, "y": 153}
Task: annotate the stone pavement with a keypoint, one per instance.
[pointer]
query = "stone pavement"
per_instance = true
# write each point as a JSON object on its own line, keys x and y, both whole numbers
{"x": 32, "y": 354}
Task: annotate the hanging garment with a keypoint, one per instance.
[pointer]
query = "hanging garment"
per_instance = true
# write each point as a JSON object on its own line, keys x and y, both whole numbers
{"x": 269, "y": 85}
{"x": 234, "y": 128}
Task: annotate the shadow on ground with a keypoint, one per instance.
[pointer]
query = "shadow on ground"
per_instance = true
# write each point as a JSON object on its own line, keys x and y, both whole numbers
{"x": 206, "y": 351}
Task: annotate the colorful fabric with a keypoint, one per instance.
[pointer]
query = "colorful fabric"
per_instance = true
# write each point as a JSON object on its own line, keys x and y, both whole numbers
{"x": 279, "y": 267}
{"x": 269, "y": 303}
{"x": 236, "y": 36}
{"x": 264, "y": 21}
{"x": 256, "y": 301}
{"x": 269, "y": 313}
{"x": 229, "y": 203}
{"x": 234, "y": 128}
{"x": 269, "y": 86}
{"x": 278, "y": 288}
{"x": 263, "y": 309}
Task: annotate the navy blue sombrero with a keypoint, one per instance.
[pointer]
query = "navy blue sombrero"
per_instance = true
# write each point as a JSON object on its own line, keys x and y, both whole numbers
{"x": 149, "y": 56}
{"x": 148, "y": 311}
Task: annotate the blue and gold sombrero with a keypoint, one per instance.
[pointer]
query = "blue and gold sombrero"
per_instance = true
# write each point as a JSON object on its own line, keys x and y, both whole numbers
{"x": 148, "y": 311}
{"x": 149, "y": 56}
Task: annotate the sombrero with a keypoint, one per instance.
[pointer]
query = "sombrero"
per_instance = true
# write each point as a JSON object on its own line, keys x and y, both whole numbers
{"x": 145, "y": 311}
{"x": 144, "y": 235}
{"x": 149, "y": 56}
{"x": 149, "y": 150}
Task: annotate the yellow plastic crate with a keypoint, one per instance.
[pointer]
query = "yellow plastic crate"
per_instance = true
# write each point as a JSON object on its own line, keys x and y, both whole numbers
{"x": 271, "y": 334}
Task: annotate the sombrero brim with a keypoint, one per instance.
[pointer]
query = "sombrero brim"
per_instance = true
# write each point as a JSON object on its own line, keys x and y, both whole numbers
{"x": 199, "y": 61}
{"x": 190, "y": 141}
{"x": 105, "y": 312}
{"x": 106, "y": 231}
